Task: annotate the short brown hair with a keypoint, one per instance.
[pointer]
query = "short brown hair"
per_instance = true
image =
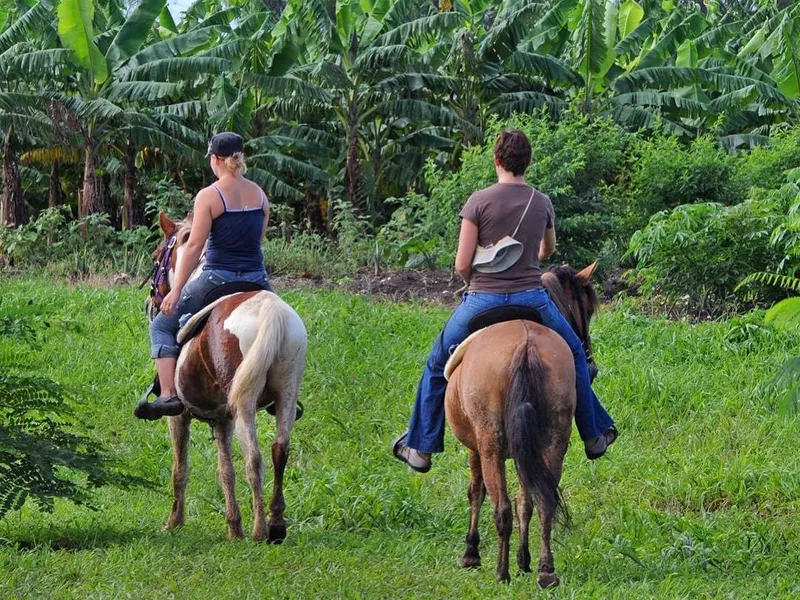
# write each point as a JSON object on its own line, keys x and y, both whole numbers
{"x": 512, "y": 150}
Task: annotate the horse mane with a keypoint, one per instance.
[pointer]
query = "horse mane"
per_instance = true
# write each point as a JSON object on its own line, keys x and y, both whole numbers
{"x": 558, "y": 278}
{"x": 182, "y": 231}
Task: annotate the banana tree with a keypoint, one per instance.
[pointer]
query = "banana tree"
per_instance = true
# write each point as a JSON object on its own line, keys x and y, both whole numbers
{"x": 366, "y": 59}
{"x": 105, "y": 85}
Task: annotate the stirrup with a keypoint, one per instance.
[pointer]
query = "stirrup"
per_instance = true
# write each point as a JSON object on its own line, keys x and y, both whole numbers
{"x": 298, "y": 414}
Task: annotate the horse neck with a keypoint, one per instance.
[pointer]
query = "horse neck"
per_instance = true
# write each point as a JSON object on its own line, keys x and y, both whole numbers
{"x": 553, "y": 286}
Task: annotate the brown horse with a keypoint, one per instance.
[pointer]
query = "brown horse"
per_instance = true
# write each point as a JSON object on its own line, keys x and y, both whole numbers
{"x": 250, "y": 355}
{"x": 511, "y": 394}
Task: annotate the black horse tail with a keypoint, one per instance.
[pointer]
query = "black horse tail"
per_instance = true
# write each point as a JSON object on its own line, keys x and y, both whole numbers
{"x": 526, "y": 430}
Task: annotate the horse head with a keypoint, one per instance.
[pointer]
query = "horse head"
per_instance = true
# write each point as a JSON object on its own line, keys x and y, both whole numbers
{"x": 577, "y": 300}
{"x": 165, "y": 257}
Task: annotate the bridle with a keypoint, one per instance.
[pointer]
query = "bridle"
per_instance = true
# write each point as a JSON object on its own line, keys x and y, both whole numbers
{"x": 160, "y": 273}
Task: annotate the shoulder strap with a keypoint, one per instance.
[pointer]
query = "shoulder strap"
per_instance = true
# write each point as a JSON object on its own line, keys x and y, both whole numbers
{"x": 221, "y": 196}
{"x": 533, "y": 191}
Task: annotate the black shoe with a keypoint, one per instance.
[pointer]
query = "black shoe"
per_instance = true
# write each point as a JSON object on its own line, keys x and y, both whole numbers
{"x": 162, "y": 407}
{"x": 595, "y": 448}
{"x": 298, "y": 414}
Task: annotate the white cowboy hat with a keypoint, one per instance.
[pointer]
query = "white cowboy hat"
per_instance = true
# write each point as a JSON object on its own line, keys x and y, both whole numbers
{"x": 497, "y": 257}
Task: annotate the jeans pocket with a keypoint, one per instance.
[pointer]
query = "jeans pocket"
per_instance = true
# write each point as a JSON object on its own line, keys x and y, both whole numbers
{"x": 217, "y": 278}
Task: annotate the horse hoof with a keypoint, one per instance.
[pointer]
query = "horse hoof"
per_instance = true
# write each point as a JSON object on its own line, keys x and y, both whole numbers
{"x": 548, "y": 580}
{"x": 235, "y": 534}
{"x": 504, "y": 578}
{"x": 172, "y": 524}
{"x": 470, "y": 561}
{"x": 276, "y": 533}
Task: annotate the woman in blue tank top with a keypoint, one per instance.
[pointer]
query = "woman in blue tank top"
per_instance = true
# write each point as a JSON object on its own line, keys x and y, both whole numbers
{"x": 230, "y": 221}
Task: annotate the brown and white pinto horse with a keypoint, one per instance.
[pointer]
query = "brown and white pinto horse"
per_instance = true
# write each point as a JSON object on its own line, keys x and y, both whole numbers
{"x": 250, "y": 354}
{"x": 511, "y": 394}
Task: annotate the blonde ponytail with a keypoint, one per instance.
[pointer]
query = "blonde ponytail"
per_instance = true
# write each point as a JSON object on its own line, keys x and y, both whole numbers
{"x": 236, "y": 163}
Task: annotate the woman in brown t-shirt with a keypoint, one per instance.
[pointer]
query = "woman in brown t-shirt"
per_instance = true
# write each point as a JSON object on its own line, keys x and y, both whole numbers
{"x": 488, "y": 216}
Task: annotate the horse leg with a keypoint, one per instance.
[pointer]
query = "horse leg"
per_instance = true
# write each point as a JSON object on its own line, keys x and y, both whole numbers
{"x": 285, "y": 412}
{"x": 223, "y": 434}
{"x": 179, "y": 432}
{"x": 494, "y": 476}
{"x": 553, "y": 460}
{"x": 254, "y": 468}
{"x": 476, "y": 495}
{"x": 524, "y": 514}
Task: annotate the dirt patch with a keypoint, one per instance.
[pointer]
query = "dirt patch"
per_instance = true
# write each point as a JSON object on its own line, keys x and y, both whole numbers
{"x": 399, "y": 286}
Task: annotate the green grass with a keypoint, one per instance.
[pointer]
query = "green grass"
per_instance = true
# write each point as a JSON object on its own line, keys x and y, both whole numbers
{"x": 698, "y": 499}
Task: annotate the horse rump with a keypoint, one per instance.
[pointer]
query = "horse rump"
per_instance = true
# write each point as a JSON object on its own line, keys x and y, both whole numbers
{"x": 526, "y": 430}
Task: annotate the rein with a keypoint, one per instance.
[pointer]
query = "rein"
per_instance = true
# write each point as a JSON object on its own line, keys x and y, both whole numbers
{"x": 162, "y": 269}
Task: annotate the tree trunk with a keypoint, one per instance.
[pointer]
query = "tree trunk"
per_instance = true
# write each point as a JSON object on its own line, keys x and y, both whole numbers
{"x": 353, "y": 175}
{"x": 92, "y": 199}
{"x": 313, "y": 211}
{"x": 13, "y": 210}
{"x": 55, "y": 195}
{"x": 132, "y": 213}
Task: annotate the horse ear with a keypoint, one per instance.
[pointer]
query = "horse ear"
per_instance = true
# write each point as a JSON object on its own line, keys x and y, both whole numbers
{"x": 585, "y": 276}
{"x": 167, "y": 225}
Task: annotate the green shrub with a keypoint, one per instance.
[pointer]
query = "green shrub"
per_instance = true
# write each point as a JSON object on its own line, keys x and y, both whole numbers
{"x": 83, "y": 246}
{"x": 701, "y": 252}
{"x": 665, "y": 173}
{"x": 765, "y": 166}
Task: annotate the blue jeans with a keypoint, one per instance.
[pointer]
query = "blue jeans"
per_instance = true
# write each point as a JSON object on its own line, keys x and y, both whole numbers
{"x": 164, "y": 329}
{"x": 426, "y": 431}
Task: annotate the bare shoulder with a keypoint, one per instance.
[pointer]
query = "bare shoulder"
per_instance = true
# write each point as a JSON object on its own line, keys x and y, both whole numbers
{"x": 207, "y": 194}
{"x": 257, "y": 188}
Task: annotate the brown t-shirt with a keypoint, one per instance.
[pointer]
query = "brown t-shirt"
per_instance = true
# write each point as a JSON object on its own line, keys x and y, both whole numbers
{"x": 496, "y": 211}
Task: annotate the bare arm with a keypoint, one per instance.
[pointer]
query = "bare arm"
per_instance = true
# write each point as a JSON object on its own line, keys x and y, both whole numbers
{"x": 191, "y": 251}
{"x": 548, "y": 245}
{"x": 467, "y": 243}
{"x": 266, "y": 217}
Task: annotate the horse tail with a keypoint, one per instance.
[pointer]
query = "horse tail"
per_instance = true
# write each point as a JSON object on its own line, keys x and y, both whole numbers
{"x": 526, "y": 428}
{"x": 250, "y": 378}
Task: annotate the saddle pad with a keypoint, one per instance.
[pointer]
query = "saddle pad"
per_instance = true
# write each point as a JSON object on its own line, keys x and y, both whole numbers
{"x": 196, "y": 322}
{"x": 458, "y": 355}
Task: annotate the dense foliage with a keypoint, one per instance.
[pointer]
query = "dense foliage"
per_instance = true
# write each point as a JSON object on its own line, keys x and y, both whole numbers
{"x": 347, "y": 100}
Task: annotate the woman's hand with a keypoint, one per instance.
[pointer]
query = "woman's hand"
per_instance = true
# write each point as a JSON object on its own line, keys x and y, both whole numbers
{"x": 169, "y": 302}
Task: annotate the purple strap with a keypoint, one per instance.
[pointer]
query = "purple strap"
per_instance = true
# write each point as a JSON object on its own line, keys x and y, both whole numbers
{"x": 162, "y": 268}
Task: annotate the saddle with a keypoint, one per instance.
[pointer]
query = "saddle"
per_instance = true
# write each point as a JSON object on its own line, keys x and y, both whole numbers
{"x": 197, "y": 321}
{"x": 483, "y": 320}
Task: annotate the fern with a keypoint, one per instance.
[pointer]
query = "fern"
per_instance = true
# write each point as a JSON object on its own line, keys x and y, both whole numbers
{"x": 42, "y": 454}
{"x": 786, "y": 282}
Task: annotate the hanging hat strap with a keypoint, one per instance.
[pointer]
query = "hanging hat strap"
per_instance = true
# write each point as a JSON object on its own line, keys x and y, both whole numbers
{"x": 522, "y": 218}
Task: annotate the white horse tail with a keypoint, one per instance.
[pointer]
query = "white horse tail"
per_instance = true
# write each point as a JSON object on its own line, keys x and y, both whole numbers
{"x": 251, "y": 375}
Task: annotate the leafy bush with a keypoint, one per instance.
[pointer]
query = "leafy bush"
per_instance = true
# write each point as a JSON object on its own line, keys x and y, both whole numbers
{"x": 82, "y": 246}
{"x": 43, "y": 456}
{"x": 701, "y": 252}
{"x": 664, "y": 173}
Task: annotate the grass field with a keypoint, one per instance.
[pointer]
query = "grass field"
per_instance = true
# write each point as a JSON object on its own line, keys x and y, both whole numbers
{"x": 698, "y": 499}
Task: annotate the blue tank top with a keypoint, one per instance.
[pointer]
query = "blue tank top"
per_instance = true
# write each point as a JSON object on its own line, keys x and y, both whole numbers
{"x": 234, "y": 243}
